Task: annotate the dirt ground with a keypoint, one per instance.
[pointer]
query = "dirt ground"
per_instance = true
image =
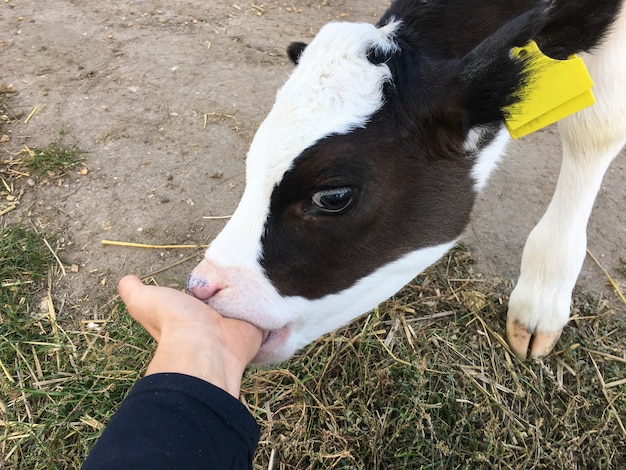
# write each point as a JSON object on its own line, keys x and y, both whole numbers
{"x": 165, "y": 96}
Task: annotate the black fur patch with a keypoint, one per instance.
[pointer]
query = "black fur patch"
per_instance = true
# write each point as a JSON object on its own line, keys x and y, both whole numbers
{"x": 295, "y": 50}
{"x": 405, "y": 200}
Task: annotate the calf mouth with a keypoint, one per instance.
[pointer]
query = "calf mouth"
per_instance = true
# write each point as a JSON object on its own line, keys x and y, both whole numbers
{"x": 274, "y": 336}
{"x": 273, "y": 341}
{"x": 266, "y": 335}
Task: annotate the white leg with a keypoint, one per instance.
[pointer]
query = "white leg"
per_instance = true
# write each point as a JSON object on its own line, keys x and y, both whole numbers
{"x": 539, "y": 307}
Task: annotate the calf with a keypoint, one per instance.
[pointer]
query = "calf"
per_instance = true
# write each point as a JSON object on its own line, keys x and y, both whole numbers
{"x": 367, "y": 167}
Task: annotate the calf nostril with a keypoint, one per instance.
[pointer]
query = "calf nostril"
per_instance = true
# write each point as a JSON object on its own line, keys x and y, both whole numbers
{"x": 201, "y": 288}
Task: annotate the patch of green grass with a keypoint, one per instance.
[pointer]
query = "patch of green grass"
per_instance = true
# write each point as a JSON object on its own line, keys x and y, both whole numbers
{"x": 60, "y": 383}
{"x": 24, "y": 262}
{"x": 53, "y": 160}
{"x": 63, "y": 386}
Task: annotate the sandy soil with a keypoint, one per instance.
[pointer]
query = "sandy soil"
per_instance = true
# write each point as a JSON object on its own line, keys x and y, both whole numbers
{"x": 166, "y": 96}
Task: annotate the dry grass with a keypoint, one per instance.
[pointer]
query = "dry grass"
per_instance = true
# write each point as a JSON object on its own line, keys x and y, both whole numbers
{"x": 425, "y": 381}
{"x": 400, "y": 390}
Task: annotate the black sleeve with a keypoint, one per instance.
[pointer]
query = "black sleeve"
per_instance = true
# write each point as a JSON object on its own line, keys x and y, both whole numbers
{"x": 176, "y": 421}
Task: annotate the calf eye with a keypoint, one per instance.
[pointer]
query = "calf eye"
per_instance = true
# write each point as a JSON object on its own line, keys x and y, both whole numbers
{"x": 334, "y": 201}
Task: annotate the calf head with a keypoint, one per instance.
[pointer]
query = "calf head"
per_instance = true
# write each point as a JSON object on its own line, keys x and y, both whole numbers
{"x": 362, "y": 175}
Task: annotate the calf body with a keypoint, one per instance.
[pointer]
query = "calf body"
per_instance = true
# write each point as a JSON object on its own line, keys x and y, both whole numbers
{"x": 367, "y": 167}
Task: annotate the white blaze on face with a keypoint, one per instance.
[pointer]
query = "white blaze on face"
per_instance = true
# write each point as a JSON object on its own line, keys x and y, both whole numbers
{"x": 333, "y": 90}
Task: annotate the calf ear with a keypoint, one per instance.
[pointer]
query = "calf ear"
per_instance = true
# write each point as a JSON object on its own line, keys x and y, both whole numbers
{"x": 295, "y": 50}
{"x": 577, "y": 25}
{"x": 489, "y": 78}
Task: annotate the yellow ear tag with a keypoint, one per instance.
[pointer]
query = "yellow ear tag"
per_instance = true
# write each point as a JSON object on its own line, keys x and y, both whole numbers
{"x": 556, "y": 89}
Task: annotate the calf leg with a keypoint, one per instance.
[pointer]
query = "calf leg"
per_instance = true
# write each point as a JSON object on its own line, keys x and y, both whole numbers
{"x": 539, "y": 307}
{"x": 555, "y": 251}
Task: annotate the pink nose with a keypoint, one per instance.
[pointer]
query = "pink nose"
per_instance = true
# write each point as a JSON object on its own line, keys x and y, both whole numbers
{"x": 200, "y": 288}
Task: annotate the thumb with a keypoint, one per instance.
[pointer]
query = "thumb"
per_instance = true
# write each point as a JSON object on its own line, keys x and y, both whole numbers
{"x": 136, "y": 296}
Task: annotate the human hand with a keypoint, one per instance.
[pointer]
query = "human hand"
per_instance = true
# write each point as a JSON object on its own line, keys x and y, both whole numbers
{"x": 192, "y": 338}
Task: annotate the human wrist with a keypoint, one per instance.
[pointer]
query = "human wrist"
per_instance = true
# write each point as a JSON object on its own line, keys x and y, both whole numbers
{"x": 205, "y": 361}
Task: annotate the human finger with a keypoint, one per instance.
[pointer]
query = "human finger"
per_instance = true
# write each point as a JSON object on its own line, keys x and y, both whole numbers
{"x": 139, "y": 302}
